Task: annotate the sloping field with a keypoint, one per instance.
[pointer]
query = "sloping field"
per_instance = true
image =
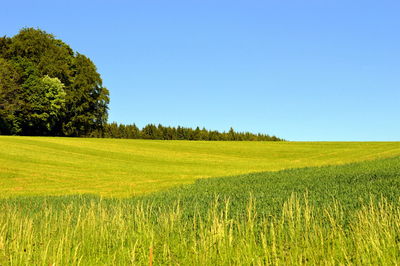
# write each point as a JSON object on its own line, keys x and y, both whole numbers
{"x": 337, "y": 215}
{"x": 112, "y": 167}
{"x": 350, "y": 185}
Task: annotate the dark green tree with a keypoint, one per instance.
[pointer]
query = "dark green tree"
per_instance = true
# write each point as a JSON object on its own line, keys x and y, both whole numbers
{"x": 86, "y": 99}
{"x": 10, "y": 98}
{"x": 150, "y": 131}
{"x": 48, "y": 89}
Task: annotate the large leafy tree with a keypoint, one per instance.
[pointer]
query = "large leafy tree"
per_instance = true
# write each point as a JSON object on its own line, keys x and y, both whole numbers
{"x": 87, "y": 99}
{"x": 10, "y": 98}
{"x": 48, "y": 89}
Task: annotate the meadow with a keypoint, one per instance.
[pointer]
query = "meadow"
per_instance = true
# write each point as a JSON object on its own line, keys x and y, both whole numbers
{"x": 329, "y": 215}
{"x": 86, "y": 202}
{"x": 124, "y": 168}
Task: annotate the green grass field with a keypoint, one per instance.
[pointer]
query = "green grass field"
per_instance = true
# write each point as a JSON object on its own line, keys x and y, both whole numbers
{"x": 123, "y": 168}
{"x": 74, "y": 201}
{"x": 332, "y": 215}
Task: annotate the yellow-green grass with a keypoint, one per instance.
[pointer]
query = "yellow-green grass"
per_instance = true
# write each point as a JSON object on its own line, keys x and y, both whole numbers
{"x": 114, "y": 167}
{"x": 95, "y": 233}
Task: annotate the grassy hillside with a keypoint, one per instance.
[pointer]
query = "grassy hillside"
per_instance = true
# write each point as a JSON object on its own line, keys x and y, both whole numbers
{"x": 350, "y": 184}
{"x": 113, "y": 167}
{"x": 338, "y": 215}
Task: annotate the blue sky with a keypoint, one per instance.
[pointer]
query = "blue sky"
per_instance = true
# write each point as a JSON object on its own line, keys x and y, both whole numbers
{"x": 301, "y": 70}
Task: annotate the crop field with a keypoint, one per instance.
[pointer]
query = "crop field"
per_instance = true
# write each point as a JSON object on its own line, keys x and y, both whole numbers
{"x": 346, "y": 214}
{"x": 86, "y": 202}
{"x": 124, "y": 168}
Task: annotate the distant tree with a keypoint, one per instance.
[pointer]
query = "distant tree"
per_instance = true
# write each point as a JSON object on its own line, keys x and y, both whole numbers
{"x": 133, "y": 131}
{"x": 150, "y": 131}
{"x": 231, "y": 134}
{"x": 180, "y": 133}
{"x": 196, "y": 134}
{"x": 112, "y": 131}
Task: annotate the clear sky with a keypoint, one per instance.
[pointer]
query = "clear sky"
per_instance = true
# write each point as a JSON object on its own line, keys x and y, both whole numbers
{"x": 301, "y": 70}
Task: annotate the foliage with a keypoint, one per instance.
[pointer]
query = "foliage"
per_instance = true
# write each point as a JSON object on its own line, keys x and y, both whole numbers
{"x": 10, "y": 98}
{"x": 151, "y": 131}
{"x": 54, "y": 97}
{"x": 48, "y": 89}
{"x": 354, "y": 222}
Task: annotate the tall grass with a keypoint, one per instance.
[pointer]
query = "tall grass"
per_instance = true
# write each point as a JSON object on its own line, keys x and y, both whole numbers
{"x": 98, "y": 233}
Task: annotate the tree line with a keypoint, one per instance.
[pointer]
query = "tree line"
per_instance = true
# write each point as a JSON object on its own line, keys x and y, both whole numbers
{"x": 151, "y": 131}
{"x": 48, "y": 89}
